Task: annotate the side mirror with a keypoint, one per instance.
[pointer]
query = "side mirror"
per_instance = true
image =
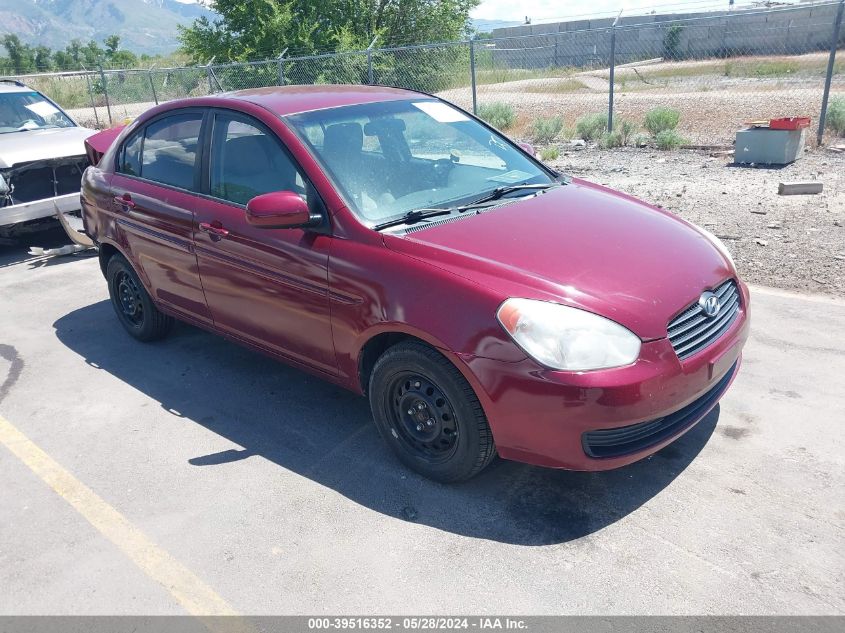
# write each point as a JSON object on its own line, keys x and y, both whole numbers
{"x": 277, "y": 210}
{"x": 528, "y": 148}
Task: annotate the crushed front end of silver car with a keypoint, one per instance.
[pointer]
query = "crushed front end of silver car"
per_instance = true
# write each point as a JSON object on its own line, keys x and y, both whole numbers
{"x": 32, "y": 190}
{"x": 42, "y": 158}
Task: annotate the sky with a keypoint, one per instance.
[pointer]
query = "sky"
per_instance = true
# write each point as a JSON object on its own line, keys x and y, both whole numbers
{"x": 552, "y": 10}
{"x": 556, "y": 10}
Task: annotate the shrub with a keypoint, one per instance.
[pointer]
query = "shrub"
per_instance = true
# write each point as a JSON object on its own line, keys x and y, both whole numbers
{"x": 626, "y": 130}
{"x": 499, "y": 115}
{"x": 672, "y": 42}
{"x": 640, "y": 140}
{"x": 661, "y": 119}
{"x": 668, "y": 139}
{"x": 567, "y": 133}
{"x": 611, "y": 139}
{"x": 591, "y": 126}
{"x": 774, "y": 69}
{"x": 549, "y": 153}
{"x": 545, "y": 130}
{"x": 835, "y": 120}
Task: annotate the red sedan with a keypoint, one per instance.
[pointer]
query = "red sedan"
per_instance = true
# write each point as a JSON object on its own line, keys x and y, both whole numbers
{"x": 394, "y": 244}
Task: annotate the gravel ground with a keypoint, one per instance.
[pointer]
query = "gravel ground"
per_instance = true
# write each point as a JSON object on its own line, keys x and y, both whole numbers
{"x": 119, "y": 113}
{"x": 791, "y": 242}
{"x": 713, "y": 106}
{"x": 707, "y": 116}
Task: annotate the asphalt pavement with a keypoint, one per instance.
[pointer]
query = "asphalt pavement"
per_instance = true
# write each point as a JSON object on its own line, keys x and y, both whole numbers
{"x": 193, "y": 475}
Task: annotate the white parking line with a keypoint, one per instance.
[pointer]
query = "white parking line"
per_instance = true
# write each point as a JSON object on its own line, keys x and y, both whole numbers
{"x": 787, "y": 294}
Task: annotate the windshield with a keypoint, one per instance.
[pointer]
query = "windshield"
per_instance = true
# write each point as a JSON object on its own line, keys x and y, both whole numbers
{"x": 393, "y": 157}
{"x": 22, "y": 111}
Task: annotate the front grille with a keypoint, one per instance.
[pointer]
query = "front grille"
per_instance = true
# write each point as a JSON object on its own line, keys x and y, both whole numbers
{"x": 636, "y": 437}
{"x": 42, "y": 179}
{"x": 692, "y": 330}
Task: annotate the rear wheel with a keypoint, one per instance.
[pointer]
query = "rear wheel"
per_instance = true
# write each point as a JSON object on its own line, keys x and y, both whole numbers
{"x": 429, "y": 414}
{"x": 132, "y": 304}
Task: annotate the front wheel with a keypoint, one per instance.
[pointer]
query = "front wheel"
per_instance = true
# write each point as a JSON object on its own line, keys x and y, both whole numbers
{"x": 429, "y": 414}
{"x": 132, "y": 304}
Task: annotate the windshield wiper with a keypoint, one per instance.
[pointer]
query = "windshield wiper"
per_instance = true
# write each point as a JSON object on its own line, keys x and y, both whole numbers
{"x": 501, "y": 192}
{"x": 413, "y": 216}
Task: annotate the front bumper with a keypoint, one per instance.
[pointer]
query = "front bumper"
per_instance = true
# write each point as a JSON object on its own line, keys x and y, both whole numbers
{"x": 37, "y": 209}
{"x": 541, "y": 416}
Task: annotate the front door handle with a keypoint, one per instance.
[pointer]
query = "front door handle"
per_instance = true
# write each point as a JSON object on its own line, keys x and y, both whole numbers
{"x": 215, "y": 229}
{"x": 125, "y": 201}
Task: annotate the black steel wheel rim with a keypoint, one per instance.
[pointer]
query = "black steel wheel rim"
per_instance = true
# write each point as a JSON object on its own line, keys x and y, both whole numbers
{"x": 128, "y": 297}
{"x": 422, "y": 418}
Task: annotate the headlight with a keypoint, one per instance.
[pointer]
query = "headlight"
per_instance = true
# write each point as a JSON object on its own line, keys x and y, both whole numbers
{"x": 719, "y": 244}
{"x": 567, "y": 338}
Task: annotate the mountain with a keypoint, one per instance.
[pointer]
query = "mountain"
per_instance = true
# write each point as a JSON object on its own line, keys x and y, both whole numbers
{"x": 144, "y": 26}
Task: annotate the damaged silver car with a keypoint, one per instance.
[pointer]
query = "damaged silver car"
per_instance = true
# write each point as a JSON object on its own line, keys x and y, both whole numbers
{"x": 42, "y": 157}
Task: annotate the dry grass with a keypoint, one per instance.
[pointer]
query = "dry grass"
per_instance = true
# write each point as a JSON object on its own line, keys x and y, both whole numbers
{"x": 556, "y": 86}
{"x": 713, "y": 104}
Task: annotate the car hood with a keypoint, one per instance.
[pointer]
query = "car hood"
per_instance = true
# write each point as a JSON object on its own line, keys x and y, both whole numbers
{"x": 581, "y": 245}
{"x": 23, "y": 147}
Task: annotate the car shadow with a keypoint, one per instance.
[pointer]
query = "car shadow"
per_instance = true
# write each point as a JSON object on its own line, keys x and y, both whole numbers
{"x": 326, "y": 434}
{"x": 16, "y": 250}
{"x": 760, "y": 166}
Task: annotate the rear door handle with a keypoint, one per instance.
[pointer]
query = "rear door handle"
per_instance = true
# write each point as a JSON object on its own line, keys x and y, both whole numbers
{"x": 125, "y": 201}
{"x": 214, "y": 228}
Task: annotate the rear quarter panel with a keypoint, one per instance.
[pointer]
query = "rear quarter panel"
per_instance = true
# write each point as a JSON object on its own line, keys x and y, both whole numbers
{"x": 95, "y": 199}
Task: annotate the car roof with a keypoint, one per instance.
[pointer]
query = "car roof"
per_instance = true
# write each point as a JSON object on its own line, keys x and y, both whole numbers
{"x": 12, "y": 85}
{"x": 285, "y": 100}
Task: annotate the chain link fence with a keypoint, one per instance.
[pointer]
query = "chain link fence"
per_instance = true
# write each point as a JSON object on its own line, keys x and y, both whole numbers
{"x": 717, "y": 71}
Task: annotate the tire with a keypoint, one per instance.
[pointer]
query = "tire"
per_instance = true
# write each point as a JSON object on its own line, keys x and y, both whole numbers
{"x": 429, "y": 414}
{"x": 132, "y": 304}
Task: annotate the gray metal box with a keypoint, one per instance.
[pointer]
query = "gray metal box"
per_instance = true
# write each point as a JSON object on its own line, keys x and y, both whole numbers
{"x": 764, "y": 146}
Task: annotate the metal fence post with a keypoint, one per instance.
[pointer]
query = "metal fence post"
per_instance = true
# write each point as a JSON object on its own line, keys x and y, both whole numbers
{"x": 152, "y": 83}
{"x": 105, "y": 91}
{"x": 612, "y": 73}
{"x": 282, "y": 67}
{"x": 472, "y": 75}
{"x": 91, "y": 95}
{"x": 370, "y": 60}
{"x": 208, "y": 74}
{"x": 834, "y": 40}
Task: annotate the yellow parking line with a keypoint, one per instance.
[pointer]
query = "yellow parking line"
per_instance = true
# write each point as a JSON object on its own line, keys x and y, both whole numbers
{"x": 189, "y": 591}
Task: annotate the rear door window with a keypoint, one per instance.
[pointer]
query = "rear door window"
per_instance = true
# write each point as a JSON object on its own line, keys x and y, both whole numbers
{"x": 130, "y": 157}
{"x": 170, "y": 150}
{"x": 165, "y": 151}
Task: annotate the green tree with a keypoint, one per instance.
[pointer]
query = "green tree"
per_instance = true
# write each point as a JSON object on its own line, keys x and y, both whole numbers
{"x": 42, "y": 56}
{"x": 123, "y": 59}
{"x": 74, "y": 51}
{"x": 249, "y": 29}
{"x": 91, "y": 53}
{"x": 112, "y": 43}
{"x": 116, "y": 57}
{"x": 21, "y": 56}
